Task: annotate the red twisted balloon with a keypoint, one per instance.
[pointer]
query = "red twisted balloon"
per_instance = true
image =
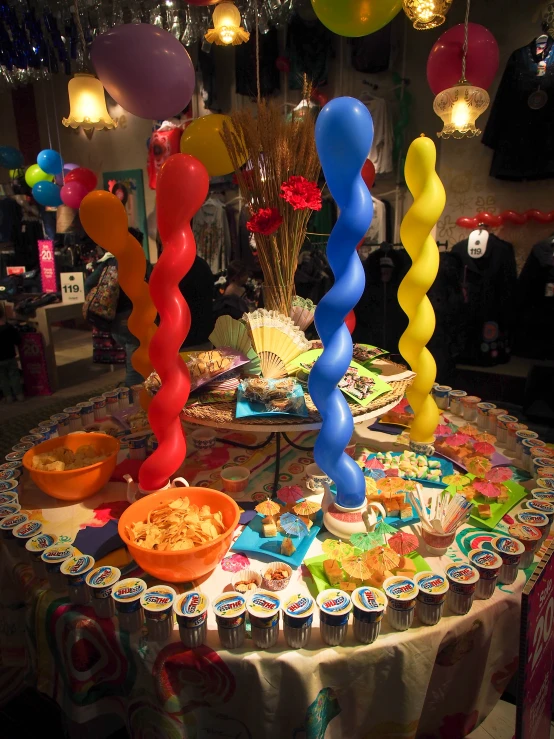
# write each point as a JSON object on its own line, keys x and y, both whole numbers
{"x": 181, "y": 189}
{"x": 510, "y": 216}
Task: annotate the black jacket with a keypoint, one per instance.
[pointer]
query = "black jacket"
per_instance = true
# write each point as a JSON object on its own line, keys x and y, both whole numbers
{"x": 535, "y": 303}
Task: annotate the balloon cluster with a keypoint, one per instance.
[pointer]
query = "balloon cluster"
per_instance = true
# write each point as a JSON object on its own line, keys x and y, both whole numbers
{"x": 54, "y": 183}
{"x": 507, "y": 216}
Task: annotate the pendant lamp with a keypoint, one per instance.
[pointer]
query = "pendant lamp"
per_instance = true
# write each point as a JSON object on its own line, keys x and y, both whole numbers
{"x": 227, "y": 28}
{"x": 87, "y": 104}
{"x": 426, "y": 14}
{"x": 461, "y": 105}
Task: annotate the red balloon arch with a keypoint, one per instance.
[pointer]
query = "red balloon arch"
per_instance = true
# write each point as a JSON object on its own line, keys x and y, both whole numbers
{"x": 507, "y": 216}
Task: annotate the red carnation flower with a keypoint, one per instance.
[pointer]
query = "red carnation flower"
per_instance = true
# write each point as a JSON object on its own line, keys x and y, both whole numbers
{"x": 301, "y": 193}
{"x": 265, "y": 221}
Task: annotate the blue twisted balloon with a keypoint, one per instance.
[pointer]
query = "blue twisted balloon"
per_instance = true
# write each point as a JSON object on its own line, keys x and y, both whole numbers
{"x": 344, "y": 132}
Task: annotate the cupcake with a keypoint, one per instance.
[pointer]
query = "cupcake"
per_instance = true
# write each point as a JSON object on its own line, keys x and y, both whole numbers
{"x": 277, "y": 576}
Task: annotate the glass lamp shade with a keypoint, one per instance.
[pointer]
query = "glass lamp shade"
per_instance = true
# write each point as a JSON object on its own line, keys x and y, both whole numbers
{"x": 459, "y": 107}
{"x": 426, "y": 14}
{"x": 227, "y": 29}
{"x": 87, "y": 104}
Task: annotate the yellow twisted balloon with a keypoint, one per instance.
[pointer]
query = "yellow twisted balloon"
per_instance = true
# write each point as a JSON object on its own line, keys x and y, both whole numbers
{"x": 415, "y": 234}
{"x": 104, "y": 218}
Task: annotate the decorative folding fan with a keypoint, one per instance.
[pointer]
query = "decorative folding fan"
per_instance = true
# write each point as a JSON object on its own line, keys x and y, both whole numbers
{"x": 234, "y": 334}
{"x": 302, "y": 312}
{"x": 276, "y": 339}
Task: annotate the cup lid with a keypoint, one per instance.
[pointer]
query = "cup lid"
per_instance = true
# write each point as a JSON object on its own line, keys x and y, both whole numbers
{"x": 431, "y": 582}
{"x": 7, "y": 486}
{"x": 10, "y": 522}
{"x": 9, "y": 509}
{"x": 229, "y": 605}
{"x": 484, "y": 559}
{"x": 334, "y": 602}
{"x": 263, "y": 604}
{"x": 462, "y": 573}
{"x": 158, "y": 598}
{"x": 524, "y": 532}
{"x": 8, "y": 499}
{"x": 507, "y": 418}
{"x": 400, "y": 588}
{"x": 299, "y": 605}
{"x": 13, "y": 465}
{"x": 27, "y": 529}
{"x": 458, "y": 393}
{"x": 128, "y": 590}
{"x": 57, "y": 553}
{"x": 545, "y": 482}
{"x": 368, "y": 599}
{"x": 443, "y": 388}
{"x": 542, "y": 494}
{"x": 532, "y": 518}
{"x": 542, "y": 506}
{"x": 78, "y": 564}
{"x": 40, "y": 542}
{"x": 486, "y": 406}
{"x": 191, "y": 604}
{"x": 103, "y": 577}
{"x": 543, "y": 461}
{"x": 507, "y": 545}
{"x": 471, "y": 399}
{"x": 14, "y": 456}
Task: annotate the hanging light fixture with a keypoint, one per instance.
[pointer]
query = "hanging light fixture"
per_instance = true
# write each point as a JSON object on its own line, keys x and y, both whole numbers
{"x": 426, "y": 14}
{"x": 227, "y": 28}
{"x": 461, "y": 105}
{"x": 87, "y": 104}
{"x": 87, "y": 101}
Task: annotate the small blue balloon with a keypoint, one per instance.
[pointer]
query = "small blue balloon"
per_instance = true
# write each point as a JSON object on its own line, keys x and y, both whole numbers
{"x": 10, "y": 157}
{"x": 47, "y": 193}
{"x": 50, "y": 161}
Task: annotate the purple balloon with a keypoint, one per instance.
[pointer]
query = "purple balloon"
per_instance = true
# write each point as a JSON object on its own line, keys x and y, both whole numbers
{"x": 66, "y": 168}
{"x": 145, "y": 69}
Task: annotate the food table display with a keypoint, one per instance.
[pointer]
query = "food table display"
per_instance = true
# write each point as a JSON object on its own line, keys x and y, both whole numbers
{"x": 438, "y": 680}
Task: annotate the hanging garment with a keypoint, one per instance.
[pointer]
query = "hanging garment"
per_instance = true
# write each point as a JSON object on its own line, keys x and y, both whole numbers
{"x": 377, "y": 232}
{"x": 313, "y": 276}
{"x": 489, "y": 288}
{"x": 383, "y": 141}
{"x": 245, "y": 65}
{"x": 211, "y": 231}
{"x": 163, "y": 143}
{"x": 535, "y": 303}
{"x": 197, "y": 287}
{"x": 309, "y": 45}
{"x": 519, "y": 128}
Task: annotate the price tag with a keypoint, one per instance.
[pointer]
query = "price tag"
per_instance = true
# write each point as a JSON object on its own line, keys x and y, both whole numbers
{"x": 477, "y": 243}
{"x": 72, "y": 287}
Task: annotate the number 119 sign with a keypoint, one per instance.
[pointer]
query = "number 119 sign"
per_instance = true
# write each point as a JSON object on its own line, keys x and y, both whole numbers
{"x": 72, "y": 287}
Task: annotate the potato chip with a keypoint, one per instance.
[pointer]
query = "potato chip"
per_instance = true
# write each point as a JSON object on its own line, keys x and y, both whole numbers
{"x": 61, "y": 459}
{"x": 177, "y": 526}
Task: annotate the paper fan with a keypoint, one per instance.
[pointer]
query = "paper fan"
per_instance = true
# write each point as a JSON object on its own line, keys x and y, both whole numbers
{"x": 302, "y": 312}
{"x": 268, "y": 508}
{"x": 403, "y": 543}
{"x": 487, "y": 489}
{"x": 276, "y": 339}
{"x": 356, "y": 566}
{"x": 290, "y": 493}
{"x": 498, "y": 474}
{"x": 478, "y": 466}
{"x": 234, "y": 334}
{"x": 484, "y": 448}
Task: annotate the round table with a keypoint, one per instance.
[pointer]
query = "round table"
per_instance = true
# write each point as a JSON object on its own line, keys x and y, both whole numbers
{"x": 427, "y": 682}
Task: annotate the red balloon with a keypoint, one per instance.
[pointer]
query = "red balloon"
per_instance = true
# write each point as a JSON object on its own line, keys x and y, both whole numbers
{"x": 511, "y": 216}
{"x": 84, "y": 176}
{"x": 350, "y": 321}
{"x": 368, "y": 173}
{"x": 72, "y": 194}
{"x": 539, "y": 216}
{"x": 488, "y": 219}
{"x": 444, "y": 65}
{"x": 181, "y": 189}
{"x": 465, "y": 222}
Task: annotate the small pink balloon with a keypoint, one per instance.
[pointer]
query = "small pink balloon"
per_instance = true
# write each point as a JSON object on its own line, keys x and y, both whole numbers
{"x": 444, "y": 65}
{"x": 72, "y": 194}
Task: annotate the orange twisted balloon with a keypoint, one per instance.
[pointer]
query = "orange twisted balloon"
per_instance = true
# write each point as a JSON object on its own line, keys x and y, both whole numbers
{"x": 104, "y": 219}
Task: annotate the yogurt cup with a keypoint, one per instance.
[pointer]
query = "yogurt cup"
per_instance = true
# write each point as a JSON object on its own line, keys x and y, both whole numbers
{"x": 455, "y": 398}
{"x": 542, "y": 494}
{"x": 137, "y": 444}
{"x": 136, "y": 390}
{"x": 98, "y": 407}
{"x": 75, "y": 421}
{"x": 483, "y": 415}
{"x": 334, "y": 611}
{"x": 32, "y": 439}
{"x": 157, "y": 603}
{"x": 511, "y": 441}
{"x": 547, "y": 483}
{"x": 101, "y": 581}
{"x": 463, "y": 579}
{"x": 75, "y": 570}
{"x": 368, "y": 608}
{"x": 298, "y": 615}
{"x": 49, "y": 428}
{"x": 264, "y": 609}
{"x": 9, "y": 522}
{"x": 13, "y": 465}
{"x": 540, "y": 450}
{"x": 543, "y": 472}
{"x": 15, "y": 457}
{"x": 22, "y": 446}
{"x": 7, "y": 510}
{"x": 53, "y": 558}
{"x": 26, "y": 531}
{"x": 525, "y": 459}
{"x": 488, "y": 566}
{"x": 124, "y": 397}
{"x": 502, "y": 422}
{"x": 35, "y": 547}
{"x": 9, "y": 486}
{"x": 87, "y": 412}
{"x": 510, "y": 551}
{"x": 469, "y": 407}
{"x": 432, "y": 590}
{"x": 230, "y": 615}
{"x": 530, "y": 537}
{"x": 493, "y": 415}
{"x": 535, "y": 517}
{"x": 126, "y": 595}
{"x": 62, "y": 423}
{"x": 112, "y": 401}
{"x": 440, "y": 393}
{"x": 10, "y": 498}
{"x": 191, "y": 610}
{"x": 539, "y": 463}
{"x": 401, "y": 595}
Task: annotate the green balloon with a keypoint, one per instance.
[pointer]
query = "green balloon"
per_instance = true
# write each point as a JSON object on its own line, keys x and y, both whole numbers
{"x": 355, "y": 18}
{"x": 35, "y": 174}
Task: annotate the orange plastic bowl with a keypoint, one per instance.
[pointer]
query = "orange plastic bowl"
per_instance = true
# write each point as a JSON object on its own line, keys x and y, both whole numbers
{"x": 190, "y": 564}
{"x": 74, "y": 484}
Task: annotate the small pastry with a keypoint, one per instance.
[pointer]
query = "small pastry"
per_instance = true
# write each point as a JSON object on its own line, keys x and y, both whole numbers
{"x": 484, "y": 510}
{"x": 287, "y": 547}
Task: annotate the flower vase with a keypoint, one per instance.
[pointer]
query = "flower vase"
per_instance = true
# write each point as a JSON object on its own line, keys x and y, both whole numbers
{"x": 278, "y": 297}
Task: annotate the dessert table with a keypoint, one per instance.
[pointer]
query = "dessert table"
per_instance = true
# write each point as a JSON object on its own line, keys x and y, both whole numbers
{"x": 427, "y": 682}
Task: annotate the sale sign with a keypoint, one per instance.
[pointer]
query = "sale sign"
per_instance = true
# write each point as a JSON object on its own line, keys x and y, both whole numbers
{"x": 536, "y": 653}
{"x": 47, "y": 265}
{"x": 33, "y": 364}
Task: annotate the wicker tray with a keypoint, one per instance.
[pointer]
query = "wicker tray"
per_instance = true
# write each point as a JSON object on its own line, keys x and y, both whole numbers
{"x": 224, "y": 413}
